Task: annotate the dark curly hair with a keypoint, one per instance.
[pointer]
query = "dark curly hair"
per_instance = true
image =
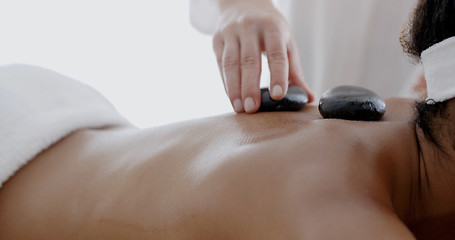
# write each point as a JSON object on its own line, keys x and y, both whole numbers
{"x": 432, "y": 22}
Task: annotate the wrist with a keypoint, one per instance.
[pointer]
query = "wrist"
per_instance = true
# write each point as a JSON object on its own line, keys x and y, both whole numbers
{"x": 227, "y": 6}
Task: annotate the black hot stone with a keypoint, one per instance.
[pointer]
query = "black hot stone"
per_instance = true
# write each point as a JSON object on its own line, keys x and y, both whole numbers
{"x": 294, "y": 100}
{"x": 352, "y": 103}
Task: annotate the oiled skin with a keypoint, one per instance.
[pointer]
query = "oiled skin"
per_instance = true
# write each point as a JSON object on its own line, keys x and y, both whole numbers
{"x": 261, "y": 176}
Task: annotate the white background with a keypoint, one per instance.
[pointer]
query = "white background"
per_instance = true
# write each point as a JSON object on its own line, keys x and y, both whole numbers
{"x": 143, "y": 55}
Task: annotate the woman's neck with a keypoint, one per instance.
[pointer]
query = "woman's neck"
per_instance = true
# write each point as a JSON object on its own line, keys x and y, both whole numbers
{"x": 434, "y": 178}
{"x": 402, "y": 158}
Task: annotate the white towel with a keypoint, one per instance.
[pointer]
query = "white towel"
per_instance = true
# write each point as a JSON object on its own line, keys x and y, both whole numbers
{"x": 38, "y": 107}
{"x": 439, "y": 66}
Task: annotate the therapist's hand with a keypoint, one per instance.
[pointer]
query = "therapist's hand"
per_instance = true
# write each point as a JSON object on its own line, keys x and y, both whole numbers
{"x": 246, "y": 31}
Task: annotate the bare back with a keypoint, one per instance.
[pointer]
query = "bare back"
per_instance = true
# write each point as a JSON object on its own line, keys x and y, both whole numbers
{"x": 261, "y": 176}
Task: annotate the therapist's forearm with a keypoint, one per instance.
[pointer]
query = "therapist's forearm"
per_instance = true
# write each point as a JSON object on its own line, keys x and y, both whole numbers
{"x": 206, "y": 15}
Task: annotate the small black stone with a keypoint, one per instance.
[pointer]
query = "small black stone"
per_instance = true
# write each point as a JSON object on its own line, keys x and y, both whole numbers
{"x": 352, "y": 103}
{"x": 294, "y": 100}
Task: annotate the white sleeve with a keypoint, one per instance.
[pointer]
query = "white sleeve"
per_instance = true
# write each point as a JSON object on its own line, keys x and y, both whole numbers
{"x": 205, "y": 15}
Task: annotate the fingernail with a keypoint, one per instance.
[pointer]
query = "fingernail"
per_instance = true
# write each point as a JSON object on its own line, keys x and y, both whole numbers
{"x": 249, "y": 104}
{"x": 238, "y": 107}
{"x": 277, "y": 91}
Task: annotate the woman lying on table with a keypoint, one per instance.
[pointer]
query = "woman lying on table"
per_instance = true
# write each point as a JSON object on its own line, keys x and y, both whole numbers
{"x": 262, "y": 176}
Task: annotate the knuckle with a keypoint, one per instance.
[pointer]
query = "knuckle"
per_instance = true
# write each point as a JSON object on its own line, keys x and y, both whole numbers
{"x": 248, "y": 21}
{"x": 229, "y": 62}
{"x": 229, "y": 29}
{"x": 275, "y": 23}
{"x": 277, "y": 31}
{"x": 226, "y": 30}
{"x": 277, "y": 57}
{"x": 249, "y": 61}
